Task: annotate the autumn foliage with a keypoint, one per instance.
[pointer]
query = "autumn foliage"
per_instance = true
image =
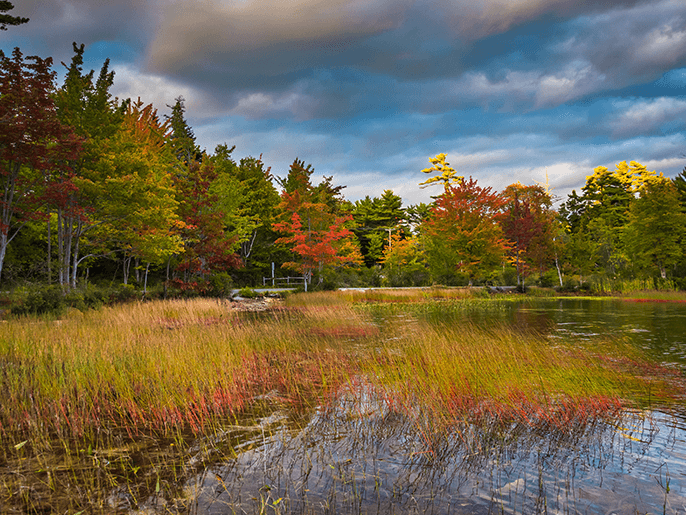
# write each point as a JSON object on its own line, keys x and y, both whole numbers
{"x": 464, "y": 230}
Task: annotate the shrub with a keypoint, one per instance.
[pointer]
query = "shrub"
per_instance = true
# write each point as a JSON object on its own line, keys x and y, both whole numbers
{"x": 248, "y": 293}
{"x": 219, "y": 285}
{"x": 38, "y": 300}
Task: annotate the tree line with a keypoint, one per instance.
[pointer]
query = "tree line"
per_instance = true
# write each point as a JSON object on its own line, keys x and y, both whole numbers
{"x": 98, "y": 189}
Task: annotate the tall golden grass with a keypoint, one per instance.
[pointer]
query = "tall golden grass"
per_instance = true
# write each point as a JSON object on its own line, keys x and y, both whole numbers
{"x": 171, "y": 366}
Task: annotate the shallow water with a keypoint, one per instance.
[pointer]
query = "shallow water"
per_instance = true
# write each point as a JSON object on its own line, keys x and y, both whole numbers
{"x": 659, "y": 328}
{"x": 384, "y": 462}
{"x": 357, "y": 456}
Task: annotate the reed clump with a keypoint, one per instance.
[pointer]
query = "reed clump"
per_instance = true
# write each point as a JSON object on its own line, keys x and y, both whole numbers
{"x": 185, "y": 365}
{"x": 157, "y": 366}
{"x": 469, "y": 374}
{"x": 412, "y": 295}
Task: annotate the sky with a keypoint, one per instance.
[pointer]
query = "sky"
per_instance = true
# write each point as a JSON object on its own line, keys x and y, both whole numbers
{"x": 369, "y": 90}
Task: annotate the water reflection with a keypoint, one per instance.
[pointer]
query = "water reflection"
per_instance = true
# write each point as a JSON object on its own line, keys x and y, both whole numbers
{"x": 379, "y": 461}
{"x": 657, "y": 328}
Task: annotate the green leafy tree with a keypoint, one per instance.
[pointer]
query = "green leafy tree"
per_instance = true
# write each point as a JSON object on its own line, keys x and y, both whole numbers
{"x": 657, "y": 227}
{"x": 148, "y": 231}
{"x": 88, "y": 189}
{"x": 600, "y": 214}
{"x": 257, "y": 208}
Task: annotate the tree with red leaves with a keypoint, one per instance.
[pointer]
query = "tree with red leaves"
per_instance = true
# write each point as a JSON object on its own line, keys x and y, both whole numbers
{"x": 528, "y": 223}
{"x": 463, "y": 232}
{"x": 208, "y": 247}
{"x": 314, "y": 228}
{"x": 32, "y": 140}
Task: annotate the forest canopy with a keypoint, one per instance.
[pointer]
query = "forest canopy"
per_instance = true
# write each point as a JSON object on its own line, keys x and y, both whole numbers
{"x": 102, "y": 190}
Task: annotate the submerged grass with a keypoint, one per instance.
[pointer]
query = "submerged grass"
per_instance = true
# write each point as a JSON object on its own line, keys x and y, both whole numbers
{"x": 81, "y": 388}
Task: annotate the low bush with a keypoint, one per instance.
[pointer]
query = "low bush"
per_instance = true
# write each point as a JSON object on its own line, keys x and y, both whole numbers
{"x": 248, "y": 293}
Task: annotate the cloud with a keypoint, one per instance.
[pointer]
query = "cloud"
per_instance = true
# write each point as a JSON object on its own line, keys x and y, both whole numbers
{"x": 130, "y": 82}
{"x": 268, "y": 57}
{"x": 475, "y": 20}
{"x": 55, "y": 24}
{"x": 630, "y": 45}
{"x": 645, "y": 116}
{"x": 517, "y": 90}
{"x": 267, "y": 39}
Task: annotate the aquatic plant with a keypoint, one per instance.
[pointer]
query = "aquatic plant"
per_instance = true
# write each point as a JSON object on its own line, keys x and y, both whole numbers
{"x": 82, "y": 393}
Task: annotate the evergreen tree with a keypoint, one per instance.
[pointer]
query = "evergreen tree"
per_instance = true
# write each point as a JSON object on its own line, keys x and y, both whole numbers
{"x": 182, "y": 137}
{"x": 6, "y": 19}
{"x": 376, "y": 220}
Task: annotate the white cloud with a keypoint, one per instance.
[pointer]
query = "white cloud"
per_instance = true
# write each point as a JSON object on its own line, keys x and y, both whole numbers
{"x": 528, "y": 89}
{"x": 644, "y": 116}
{"x": 132, "y": 83}
{"x": 664, "y": 44}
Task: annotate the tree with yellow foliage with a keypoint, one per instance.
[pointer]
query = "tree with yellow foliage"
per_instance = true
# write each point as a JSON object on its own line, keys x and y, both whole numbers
{"x": 447, "y": 173}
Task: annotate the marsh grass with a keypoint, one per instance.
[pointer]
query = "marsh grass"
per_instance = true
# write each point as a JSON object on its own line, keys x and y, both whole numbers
{"x": 655, "y": 296}
{"x": 108, "y": 399}
{"x": 184, "y": 364}
{"x": 412, "y": 295}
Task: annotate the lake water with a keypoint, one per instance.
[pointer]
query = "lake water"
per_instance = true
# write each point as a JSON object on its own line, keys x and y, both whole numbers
{"x": 338, "y": 461}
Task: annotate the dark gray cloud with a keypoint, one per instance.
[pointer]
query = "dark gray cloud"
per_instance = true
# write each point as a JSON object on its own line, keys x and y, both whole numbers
{"x": 310, "y": 58}
{"x": 367, "y": 90}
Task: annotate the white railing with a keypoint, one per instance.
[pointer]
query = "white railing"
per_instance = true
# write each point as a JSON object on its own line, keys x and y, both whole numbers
{"x": 285, "y": 281}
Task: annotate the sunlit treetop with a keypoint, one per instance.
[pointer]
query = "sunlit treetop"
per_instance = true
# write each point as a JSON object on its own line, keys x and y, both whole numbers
{"x": 447, "y": 174}
{"x": 630, "y": 176}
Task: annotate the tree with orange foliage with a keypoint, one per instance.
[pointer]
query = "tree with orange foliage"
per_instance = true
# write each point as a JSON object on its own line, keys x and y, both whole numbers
{"x": 463, "y": 232}
{"x": 314, "y": 229}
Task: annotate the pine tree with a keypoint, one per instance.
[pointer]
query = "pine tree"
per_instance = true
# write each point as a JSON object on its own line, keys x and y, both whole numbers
{"x": 6, "y": 19}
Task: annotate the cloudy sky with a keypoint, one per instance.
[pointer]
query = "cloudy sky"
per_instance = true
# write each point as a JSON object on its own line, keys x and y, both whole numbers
{"x": 368, "y": 90}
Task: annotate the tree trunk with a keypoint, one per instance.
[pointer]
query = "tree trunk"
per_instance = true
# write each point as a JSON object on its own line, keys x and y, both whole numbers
{"x": 79, "y": 230}
{"x": 166, "y": 282}
{"x": 246, "y": 248}
{"x": 125, "y": 268}
{"x": 145, "y": 281}
{"x": 557, "y": 265}
{"x": 60, "y": 247}
{"x": 49, "y": 251}
{"x": 3, "y": 249}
